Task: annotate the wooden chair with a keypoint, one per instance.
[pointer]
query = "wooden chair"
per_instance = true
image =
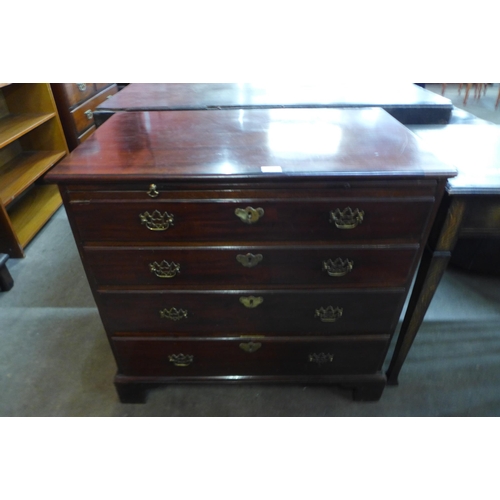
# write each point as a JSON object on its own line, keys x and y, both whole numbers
{"x": 478, "y": 89}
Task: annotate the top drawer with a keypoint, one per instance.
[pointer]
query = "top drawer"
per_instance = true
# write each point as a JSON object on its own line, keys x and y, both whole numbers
{"x": 77, "y": 92}
{"x": 345, "y": 220}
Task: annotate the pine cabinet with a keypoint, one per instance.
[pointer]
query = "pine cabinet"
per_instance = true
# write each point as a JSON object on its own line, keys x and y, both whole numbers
{"x": 31, "y": 142}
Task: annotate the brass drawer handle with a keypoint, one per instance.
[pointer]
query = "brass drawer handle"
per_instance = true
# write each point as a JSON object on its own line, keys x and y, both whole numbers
{"x": 157, "y": 221}
{"x": 328, "y": 314}
{"x": 347, "y": 218}
{"x": 251, "y": 302}
{"x": 82, "y": 87}
{"x": 165, "y": 269}
{"x": 152, "y": 192}
{"x": 338, "y": 267}
{"x": 250, "y": 346}
{"x": 320, "y": 358}
{"x": 249, "y": 215}
{"x": 181, "y": 359}
{"x": 89, "y": 114}
{"x": 173, "y": 314}
{"x": 249, "y": 260}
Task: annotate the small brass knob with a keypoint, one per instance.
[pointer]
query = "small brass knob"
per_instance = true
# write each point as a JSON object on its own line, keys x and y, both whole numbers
{"x": 82, "y": 87}
{"x": 152, "y": 192}
{"x": 89, "y": 114}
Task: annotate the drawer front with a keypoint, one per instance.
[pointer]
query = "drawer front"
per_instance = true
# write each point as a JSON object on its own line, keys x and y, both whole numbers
{"x": 100, "y": 86}
{"x": 86, "y": 134}
{"x": 231, "y": 313}
{"x": 482, "y": 216}
{"x": 162, "y": 222}
{"x": 175, "y": 267}
{"x": 83, "y": 115}
{"x": 172, "y": 357}
{"x": 218, "y": 190}
{"x": 77, "y": 92}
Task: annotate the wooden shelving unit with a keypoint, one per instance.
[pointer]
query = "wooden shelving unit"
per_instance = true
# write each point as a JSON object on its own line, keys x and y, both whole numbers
{"x": 31, "y": 142}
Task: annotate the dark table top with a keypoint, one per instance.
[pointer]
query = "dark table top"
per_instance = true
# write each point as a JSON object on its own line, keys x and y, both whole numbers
{"x": 409, "y": 103}
{"x": 474, "y": 149}
{"x": 254, "y": 143}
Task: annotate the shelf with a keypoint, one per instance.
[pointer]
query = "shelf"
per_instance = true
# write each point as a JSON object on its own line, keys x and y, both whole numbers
{"x": 32, "y": 212}
{"x": 31, "y": 143}
{"x": 18, "y": 174}
{"x": 13, "y": 127}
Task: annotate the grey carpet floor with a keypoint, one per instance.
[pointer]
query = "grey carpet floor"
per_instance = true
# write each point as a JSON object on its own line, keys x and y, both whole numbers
{"x": 55, "y": 359}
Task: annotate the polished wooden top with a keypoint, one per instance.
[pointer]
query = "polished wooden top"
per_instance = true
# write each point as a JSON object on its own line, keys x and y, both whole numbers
{"x": 474, "y": 149}
{"x": 185, "y": 96}
{"x": 240, "y": 144}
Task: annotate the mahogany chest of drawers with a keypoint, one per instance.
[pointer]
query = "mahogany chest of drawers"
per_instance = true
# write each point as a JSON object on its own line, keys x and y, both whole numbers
{"x": 251, "y": 245}
{"x": 76, "y": 103}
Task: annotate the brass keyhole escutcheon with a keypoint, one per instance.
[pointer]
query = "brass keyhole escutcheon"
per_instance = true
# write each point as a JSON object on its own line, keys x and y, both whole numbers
{"x": 251, "y": 302}
{"x": 249, "y": 215}
{"x": 250, "y": 346}
{"x": 249, "y": 260}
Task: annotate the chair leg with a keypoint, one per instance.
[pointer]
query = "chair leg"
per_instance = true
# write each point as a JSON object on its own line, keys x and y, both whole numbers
{"x": 480, "y": 88}
{"x": 498, "y": 99}
{"x": 443, "y": 88}
{"x": 467, "y": 90}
